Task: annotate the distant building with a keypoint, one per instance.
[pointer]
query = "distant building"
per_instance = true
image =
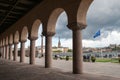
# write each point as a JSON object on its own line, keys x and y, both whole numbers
{"x": 60, "y": 48}
{"x": 112, "y": 45}
{"x": 41, "y": 49}
{"x": 59, "y": 43}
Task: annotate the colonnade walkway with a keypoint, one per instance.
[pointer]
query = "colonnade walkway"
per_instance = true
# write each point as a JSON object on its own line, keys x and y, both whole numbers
{"x": 11, "y": 70}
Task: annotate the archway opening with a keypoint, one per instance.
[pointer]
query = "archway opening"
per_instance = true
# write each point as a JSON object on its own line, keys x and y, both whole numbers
{"x": 62, "y": 41}
{"x": 40, "y": 47}
{"x": 35, "y": 33}
{"x": 16, "y": 46}
{"x": 24, "y": 45}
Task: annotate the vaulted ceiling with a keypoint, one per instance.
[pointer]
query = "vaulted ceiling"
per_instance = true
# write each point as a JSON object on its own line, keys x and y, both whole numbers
{"x": 13, "y": 10}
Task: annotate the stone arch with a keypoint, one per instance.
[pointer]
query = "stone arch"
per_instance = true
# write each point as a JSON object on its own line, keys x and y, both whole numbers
{"x": 35, "y": 28}
{"x": 24, "y": 34}
{"x": 16, "y": 37}
{"x": 82, "y": 11}
{"x": 53, "y": 19}
{"x": 6, "y": 41}
{"x": 11, "y": 39}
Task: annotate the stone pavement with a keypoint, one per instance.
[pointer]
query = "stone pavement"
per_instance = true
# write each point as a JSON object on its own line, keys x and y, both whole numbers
{"x": 10, "y": 70}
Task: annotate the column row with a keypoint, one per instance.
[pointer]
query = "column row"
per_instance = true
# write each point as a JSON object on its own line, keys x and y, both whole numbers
{"x": 77, "y": 49}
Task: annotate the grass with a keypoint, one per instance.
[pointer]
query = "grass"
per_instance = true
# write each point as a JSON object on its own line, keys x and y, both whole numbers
{"x": 103, "y": 60}
{"x": 113, "y": 60}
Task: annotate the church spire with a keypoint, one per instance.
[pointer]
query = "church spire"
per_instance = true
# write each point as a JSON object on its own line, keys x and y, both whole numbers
{"x": 59, "y": 43}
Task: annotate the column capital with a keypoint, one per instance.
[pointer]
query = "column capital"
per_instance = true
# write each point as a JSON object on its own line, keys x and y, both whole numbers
{"x": 32, "y": 38}
{"x": 48, "y": 33}
{"x": 16, "y": 42}
{"x": 22, "y": 41}
{"x": 76, "y": 26}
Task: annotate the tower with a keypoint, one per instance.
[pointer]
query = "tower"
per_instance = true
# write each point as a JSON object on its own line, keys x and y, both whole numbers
{"x": 59, "y": 43}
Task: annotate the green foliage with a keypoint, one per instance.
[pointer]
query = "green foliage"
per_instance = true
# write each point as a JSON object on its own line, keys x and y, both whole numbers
{"x": 93, "y": 58}
{"x": 115, "y": 60}
{"x": 69, "y": 50}
{"x": 116, "y": 48}
{"x": 57, "y": 51}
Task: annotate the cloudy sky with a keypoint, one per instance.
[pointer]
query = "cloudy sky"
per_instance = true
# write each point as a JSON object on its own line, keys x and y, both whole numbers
{"x": 103, "y": 15}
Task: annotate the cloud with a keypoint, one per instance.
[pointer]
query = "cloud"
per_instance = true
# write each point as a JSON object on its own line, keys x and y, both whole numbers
{"x": 102, "y": 14}
{"x": 61, "y": 27}
{"x": 112, "y": 38}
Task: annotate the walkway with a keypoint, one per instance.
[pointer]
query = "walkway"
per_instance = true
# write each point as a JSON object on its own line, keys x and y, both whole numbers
{"x": 107, "y": 69}
{"x": 10, "y": 70}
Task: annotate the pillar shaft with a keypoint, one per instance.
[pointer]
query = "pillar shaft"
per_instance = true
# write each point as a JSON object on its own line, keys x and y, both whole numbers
{"x": 0, "y": 52}
{"x": 4, "y": 51}
{"x": 6, "y": 56}
{"x": 42, "y": 44}
{"x": 22, "y": 52}
{"x": 77, "y": 52}
{"x": 10, "y": 52}
{"x": 48, "y": 52}
{"x": 15, "y": 52}
{"x": 77, "y": 46}
{"x": 32, "y": 51}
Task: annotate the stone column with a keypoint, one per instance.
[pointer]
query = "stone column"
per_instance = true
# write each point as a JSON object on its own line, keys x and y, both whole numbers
{"x": 3, "y": 52}
{"x": 32, "y": 50}
{"x": 15, "y": 51}
{"x": 22, "y": 52}
{"x": 0, "y": 51}
{"x": 10, "y": 51}
{"x": 77, "y": 47}
{"x": 6, "y": 52}
{"x": 6, "y": 56}
{"x": 48, "y": 49}
{"x": 42, "y": 44}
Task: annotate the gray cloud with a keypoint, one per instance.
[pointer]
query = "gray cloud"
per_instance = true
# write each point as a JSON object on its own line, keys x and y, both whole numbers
{"x": 102, "y": 14}
{"x": 61, "y": 27}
